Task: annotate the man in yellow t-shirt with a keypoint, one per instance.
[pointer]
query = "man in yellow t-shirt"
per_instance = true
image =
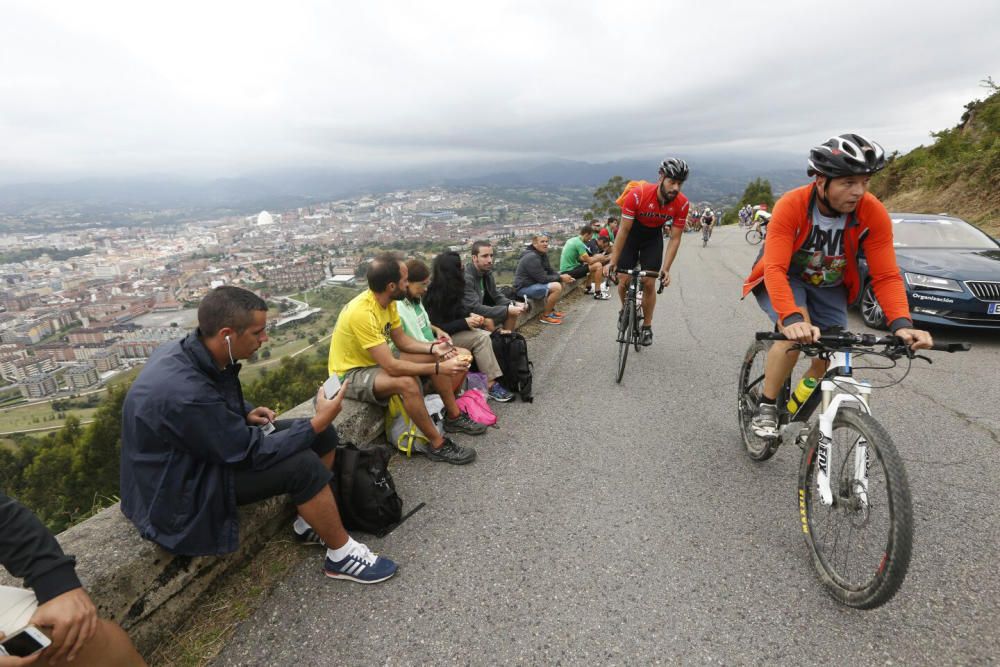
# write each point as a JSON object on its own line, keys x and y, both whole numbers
{"x": 361, "y": 356}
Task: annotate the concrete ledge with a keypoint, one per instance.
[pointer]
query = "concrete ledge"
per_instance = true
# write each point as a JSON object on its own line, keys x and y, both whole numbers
{"x": 149, "y": 591}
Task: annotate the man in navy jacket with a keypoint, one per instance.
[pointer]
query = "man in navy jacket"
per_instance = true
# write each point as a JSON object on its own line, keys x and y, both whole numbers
{"x": 193, "y": 449}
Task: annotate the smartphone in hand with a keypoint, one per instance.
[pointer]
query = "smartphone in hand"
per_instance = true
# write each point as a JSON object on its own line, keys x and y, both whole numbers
{"x": 24, "y": 643}
{"x": 331, "y": 386}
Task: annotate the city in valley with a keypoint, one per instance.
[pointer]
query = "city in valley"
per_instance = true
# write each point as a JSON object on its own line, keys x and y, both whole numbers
{"x": 81, "y": 305}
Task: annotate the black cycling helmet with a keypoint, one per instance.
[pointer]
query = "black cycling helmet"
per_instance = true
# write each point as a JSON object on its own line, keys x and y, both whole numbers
{"x": 846, "y": 155}
{"x": 674, "y": 168}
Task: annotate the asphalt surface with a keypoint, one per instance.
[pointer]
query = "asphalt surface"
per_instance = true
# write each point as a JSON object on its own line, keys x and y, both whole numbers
{"x": 623, "y": 524}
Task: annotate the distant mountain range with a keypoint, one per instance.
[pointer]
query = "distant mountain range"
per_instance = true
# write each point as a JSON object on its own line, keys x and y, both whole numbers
{"x": 713, "y": 179}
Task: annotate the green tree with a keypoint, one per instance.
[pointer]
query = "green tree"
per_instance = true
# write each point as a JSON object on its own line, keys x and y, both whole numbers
{"x": 758, "y": 191}
{"x": 294, "y": 381}
{"x": 604, "y": 200}
{"x": 46, "y": 487}
{"x": 95, "y": 467}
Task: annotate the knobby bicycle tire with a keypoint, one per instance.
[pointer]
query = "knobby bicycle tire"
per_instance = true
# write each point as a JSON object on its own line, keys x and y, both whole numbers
{"x": 624, "y": 338}
{"x": 854, "y": 575}
{"x": 752, "y": 372}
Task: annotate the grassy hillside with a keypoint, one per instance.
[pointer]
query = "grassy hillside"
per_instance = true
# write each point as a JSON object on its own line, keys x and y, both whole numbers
{"x": 958, "y": 174}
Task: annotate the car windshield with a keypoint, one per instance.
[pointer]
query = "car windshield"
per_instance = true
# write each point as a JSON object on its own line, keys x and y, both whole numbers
{"x": 938, "y": 233}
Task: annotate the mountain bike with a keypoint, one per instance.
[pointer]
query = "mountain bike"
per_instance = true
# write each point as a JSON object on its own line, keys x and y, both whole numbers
{"x": 630, "y": 318}
{"x": 853, "y": 495}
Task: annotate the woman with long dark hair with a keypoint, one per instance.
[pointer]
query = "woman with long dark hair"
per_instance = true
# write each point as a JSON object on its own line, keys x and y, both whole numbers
{"x": 443, "y": 302}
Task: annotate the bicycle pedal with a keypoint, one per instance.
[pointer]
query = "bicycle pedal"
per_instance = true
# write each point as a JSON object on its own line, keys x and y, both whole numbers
{"x": 794, "y": 432}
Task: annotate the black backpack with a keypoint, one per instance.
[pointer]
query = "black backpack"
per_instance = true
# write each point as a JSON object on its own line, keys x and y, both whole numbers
{"x": 511, "y": 351}
{"x": 365, "y": 493}
{"x": 507, "y": 291}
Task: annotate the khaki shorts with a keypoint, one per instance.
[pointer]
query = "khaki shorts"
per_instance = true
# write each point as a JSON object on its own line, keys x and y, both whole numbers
{"x": 17, "y": 606}
{"x": 362, "y": 386}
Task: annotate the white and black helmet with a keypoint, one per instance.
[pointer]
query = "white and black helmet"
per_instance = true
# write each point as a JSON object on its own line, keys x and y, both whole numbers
{"x": 674, "y": 168}
{"x": 846, "y": 155}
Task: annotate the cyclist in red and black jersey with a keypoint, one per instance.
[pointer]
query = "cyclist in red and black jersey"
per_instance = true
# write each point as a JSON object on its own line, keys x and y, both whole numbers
{"x": 646, "y": 210}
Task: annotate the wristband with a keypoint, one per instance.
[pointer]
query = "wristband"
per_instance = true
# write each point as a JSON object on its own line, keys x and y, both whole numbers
{"x": 431, "y": 349}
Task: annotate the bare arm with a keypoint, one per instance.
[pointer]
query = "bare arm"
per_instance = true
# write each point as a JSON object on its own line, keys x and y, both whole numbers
{"x": 405, "y": 343}
{"x": 399, "y": 367}
{"x": 403, "y": 368}
{"x": 670, "y": 252}
{"x": 623, "y": 231}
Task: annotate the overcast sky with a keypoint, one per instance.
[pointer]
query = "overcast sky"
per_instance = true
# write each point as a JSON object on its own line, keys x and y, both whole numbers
{"x": 222, "y": 88}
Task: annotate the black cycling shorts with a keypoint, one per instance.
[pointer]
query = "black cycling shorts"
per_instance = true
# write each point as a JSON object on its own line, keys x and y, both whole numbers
{"x": 577, "y": 272}
{"x": 644, "y": 246}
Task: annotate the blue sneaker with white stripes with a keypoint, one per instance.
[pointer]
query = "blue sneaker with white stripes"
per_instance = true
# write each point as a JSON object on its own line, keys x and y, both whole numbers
{"x": 361, "y": 565}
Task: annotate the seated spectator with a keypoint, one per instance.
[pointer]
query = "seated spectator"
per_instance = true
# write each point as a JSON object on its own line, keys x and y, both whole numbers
{"x": 360, "y": 354}
{"x": 56, "y": 603}
{"x": 193, "y": 449}
{"x": 417, "y": 323}
{"x": 535, "y": 279}
{"x": 444, "y": 305}
{"x": 612, "y": 227}
{"x": 595, "y": 228}
{"x": 481, "y": 295}
{"x": 578, "y": 261}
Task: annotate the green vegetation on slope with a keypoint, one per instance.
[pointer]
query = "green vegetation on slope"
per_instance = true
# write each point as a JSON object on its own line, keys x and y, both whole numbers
{"x": 16, "y": 256}
{"x": 758, "y": 191}
{"x": 958, "y": 174}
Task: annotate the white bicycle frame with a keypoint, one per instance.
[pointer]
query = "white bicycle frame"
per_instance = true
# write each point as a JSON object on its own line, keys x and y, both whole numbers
{"x": 833, "y": 401}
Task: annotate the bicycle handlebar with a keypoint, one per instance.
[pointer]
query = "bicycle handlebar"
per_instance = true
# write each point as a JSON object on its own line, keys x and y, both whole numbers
{"x": 634, "y": 272}
{"x": 848, "y": 339}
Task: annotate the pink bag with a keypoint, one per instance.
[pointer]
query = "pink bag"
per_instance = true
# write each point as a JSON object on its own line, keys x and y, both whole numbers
{"x": 473, "y": 403}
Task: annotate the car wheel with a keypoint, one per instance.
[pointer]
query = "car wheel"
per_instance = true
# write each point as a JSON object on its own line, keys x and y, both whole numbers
{"x": 871, "y": 311}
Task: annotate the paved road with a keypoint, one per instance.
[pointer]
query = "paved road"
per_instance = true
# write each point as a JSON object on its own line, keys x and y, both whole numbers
{"x": 623, "y": 524}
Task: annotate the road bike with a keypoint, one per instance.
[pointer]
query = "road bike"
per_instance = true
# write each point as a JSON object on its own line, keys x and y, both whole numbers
{"x": 853, "y": 496}
{"x": 630, "y": 318}
{"x": 706, "y": 234}
{"x": 755, "y": 235}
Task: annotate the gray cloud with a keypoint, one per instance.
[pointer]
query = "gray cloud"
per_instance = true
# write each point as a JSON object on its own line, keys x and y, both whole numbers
{"x": 224, "y": 87}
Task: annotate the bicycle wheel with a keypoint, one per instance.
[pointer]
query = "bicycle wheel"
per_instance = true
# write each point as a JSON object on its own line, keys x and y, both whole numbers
{"x": 861, "y": 543}
{"x": 754, "y": 237}
{"x": 750, "y": 386}
{"x": 624, "y": 336}
{"x": 637, "y": 329}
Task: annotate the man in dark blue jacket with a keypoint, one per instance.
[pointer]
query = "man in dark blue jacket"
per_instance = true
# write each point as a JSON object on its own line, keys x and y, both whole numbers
{"x": 193, "y": 449}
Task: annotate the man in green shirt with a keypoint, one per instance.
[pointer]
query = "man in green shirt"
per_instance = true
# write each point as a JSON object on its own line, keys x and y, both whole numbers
{"x": 577, "y": 261}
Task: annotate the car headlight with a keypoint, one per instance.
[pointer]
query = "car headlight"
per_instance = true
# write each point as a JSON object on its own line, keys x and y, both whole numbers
{"x": 920, "y": 281}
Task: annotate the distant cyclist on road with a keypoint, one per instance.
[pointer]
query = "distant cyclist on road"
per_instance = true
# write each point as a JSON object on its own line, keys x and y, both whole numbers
{"x": 646, "y": 209}
{"x": 808, "y": 270}
{"x": 707, "y": 221}
{"x": 761, "y": 216}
